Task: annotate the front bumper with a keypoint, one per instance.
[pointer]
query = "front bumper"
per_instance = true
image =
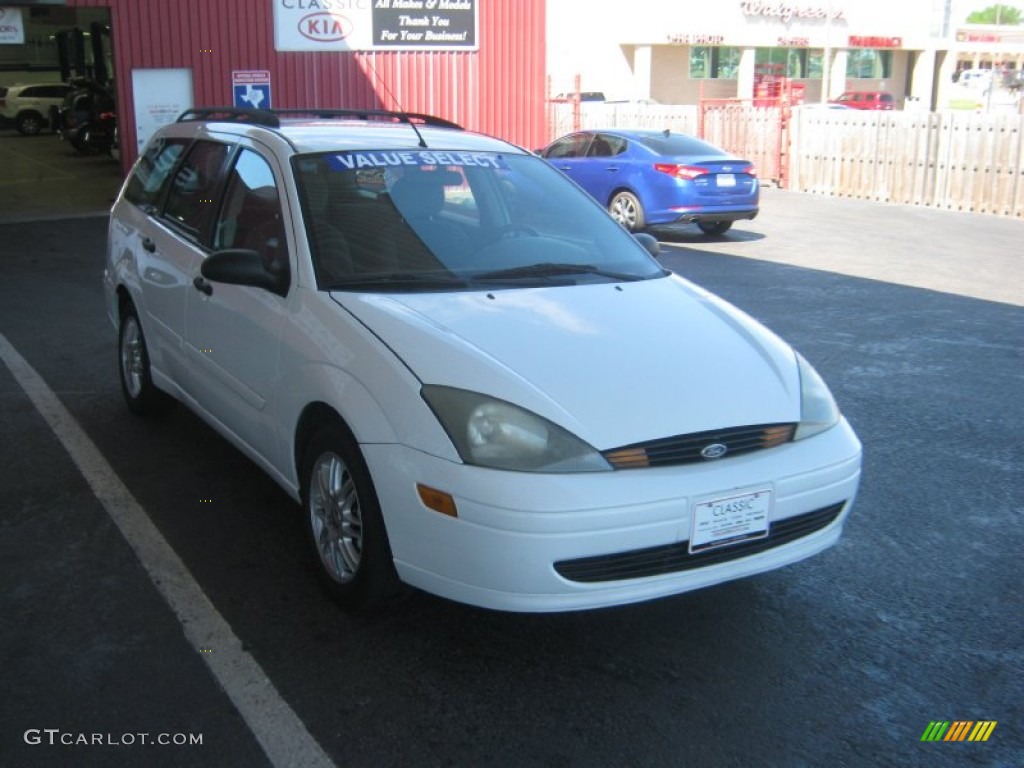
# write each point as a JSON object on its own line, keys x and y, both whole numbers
{"x": 513, "y": 528}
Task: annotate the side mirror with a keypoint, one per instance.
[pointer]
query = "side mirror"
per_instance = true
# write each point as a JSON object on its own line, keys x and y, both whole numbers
{"x": 242, "y": 266}
{"x": 649, "y": 242}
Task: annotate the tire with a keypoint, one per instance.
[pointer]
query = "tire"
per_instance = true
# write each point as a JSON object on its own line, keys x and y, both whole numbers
{"x": 140, "y": 393}
{"x": 344, "y": 525}
{"x": 714, "y": 227}
{"x": 626, "y": 209}
{"x": 30, "y": 123}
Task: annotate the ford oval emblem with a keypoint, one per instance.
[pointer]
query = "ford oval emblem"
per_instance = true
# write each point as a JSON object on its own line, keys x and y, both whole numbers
{"x": 324, "y": 27}
{"x": 714, "y": 451}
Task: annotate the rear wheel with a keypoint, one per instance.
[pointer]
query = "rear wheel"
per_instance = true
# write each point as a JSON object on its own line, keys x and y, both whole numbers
{"x": 714, "y": 227}
{"x": 140, "y": 392}
{"x": 344, "y": 524}
{"x": 29, "y": 123}
{"x": 626, "y": 209}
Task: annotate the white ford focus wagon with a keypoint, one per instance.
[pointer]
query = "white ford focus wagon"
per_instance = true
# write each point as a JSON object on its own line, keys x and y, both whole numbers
{"x": 456, "y": 361}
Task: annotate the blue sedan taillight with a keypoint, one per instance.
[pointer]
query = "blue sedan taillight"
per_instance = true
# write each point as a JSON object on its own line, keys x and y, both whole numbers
{"x": 691, "y": 172}
{"x": 688, "y": 172}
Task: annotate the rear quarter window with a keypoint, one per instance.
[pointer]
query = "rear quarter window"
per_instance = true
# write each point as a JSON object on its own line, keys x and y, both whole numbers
{"x": 149, "y": 178}
{"x": 192, "y": 196}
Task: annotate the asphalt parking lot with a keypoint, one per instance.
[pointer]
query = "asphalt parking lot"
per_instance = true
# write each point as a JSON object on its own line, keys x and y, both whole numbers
{"x": 913, "y": 316}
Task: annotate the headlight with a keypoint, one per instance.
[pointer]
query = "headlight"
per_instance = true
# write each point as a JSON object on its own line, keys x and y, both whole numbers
{"x": 492, "y": 433}
{"x": 818, "y": 409}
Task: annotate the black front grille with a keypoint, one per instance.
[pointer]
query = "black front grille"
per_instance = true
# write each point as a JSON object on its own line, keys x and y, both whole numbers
{"x": 672, "y": 558}
{"x": 683, "y": 449}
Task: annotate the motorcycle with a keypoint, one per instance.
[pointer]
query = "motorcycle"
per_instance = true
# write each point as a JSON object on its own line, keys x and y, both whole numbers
{"x": 97, "y": 136}
{"x": 88, "y": 121}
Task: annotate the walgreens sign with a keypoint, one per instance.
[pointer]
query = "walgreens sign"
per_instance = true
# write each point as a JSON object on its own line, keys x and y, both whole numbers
{"x": 786, "y": 12}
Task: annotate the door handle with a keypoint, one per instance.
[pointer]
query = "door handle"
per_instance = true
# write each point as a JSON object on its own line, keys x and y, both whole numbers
{"x": 202, "y": 286}
{"x": 613, "y": 168}
{"x": 149, "y": 245}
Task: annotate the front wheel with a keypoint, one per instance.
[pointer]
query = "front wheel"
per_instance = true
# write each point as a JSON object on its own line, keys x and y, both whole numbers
{"x": 626, "y": 209}
{"x": 714, "y": 227}
{"x": 343, "y": 521}
{"x": 140, "y": 392}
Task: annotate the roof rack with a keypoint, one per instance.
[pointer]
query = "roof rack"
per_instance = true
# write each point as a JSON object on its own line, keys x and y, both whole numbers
{"x": 231, "y": 115}
{"x": 271, "y": 118}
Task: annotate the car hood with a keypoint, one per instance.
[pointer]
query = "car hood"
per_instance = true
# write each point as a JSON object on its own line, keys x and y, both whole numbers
{"x": 614, "y": 363}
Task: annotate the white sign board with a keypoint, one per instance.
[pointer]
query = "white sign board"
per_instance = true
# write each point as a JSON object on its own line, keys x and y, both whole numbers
{"x": 12, "y": 27}
{"x": 375, "y": 25}
{"x": 251, "y": 88}
{"x": 160, "y": 96}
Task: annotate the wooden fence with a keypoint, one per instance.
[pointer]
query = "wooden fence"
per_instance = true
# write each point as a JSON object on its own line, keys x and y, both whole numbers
{"x": 953, "y": 160}
{"x": 959, "y": 161}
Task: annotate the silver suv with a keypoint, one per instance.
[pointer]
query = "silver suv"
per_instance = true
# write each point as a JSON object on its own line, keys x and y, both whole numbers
{"x": 28, "y": 106}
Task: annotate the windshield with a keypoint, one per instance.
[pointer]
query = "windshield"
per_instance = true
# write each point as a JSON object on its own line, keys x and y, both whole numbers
{"x": 429, "y": 221}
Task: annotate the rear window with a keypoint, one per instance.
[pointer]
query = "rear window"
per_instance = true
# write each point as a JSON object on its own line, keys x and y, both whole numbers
{"x": 678, "y": 144}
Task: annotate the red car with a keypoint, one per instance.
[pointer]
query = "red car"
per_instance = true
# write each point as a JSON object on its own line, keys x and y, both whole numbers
{"x": 867, "y": 100}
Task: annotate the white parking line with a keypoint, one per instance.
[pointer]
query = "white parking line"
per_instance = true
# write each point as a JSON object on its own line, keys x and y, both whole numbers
{"x": 278, "y": 729}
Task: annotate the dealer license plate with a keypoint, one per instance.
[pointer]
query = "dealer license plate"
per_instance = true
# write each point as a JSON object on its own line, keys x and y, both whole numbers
{"x": 726, "y": 180}
{"x": 731, "y": 520}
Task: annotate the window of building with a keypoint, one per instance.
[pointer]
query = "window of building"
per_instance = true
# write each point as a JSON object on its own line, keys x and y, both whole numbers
{"x": 714, "y": 62}
{"x": 815, "y": 64}
{"x": 795, "y": 63}
{"x": 869, "y": 63}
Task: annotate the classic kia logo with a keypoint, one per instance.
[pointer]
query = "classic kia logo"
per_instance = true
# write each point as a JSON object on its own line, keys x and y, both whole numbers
{"x": 325, "y": 27}
{"x": 714, "y": 451}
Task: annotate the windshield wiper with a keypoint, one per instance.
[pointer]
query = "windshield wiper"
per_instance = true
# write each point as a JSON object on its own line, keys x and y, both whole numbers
{"x": 399, "y": 281}
{"x": 553, "y": 269}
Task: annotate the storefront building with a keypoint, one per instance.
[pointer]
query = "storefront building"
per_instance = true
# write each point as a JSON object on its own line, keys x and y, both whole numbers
{"x": 683, "y": 52}
{"x": 480, "y": 63}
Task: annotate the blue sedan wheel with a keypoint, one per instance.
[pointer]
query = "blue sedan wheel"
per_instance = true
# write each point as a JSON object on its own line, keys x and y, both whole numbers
{"x": 626, "y": 209}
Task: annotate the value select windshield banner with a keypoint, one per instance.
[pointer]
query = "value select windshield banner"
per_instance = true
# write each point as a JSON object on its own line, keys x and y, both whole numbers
{"x": 374, "y": 25}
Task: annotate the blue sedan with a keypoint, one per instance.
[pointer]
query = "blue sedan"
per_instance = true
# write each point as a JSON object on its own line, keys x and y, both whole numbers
{"x": 647, "y": 178}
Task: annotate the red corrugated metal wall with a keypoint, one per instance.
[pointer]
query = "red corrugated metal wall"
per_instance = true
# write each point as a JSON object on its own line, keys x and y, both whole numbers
{"x": 498, "y": 89}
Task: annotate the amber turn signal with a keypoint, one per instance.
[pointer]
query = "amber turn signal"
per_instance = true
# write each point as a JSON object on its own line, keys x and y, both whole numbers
{"x": 439, "y": 501}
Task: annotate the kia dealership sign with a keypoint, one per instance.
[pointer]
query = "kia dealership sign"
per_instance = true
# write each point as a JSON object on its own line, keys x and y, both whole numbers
{"x": 12, "y": 29}
{"x": 373, "y": 25}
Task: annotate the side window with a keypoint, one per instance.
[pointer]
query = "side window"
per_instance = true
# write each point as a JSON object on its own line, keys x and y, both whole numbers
{"x": 153, "y": 171}
{"x": 570, "y": 146}
{"x": 190, "y": 203}
{"x": 251, "y": 216}
{"x": 604, "y": 145}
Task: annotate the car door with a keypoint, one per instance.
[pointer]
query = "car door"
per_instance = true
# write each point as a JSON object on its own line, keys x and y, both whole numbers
{"x": 170, "y": 247}
{"x": 568, "y": 154}
{"x": 603, "y": 169}
{"x": 157, "y": 288}
{"x": 233, "y": 331}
